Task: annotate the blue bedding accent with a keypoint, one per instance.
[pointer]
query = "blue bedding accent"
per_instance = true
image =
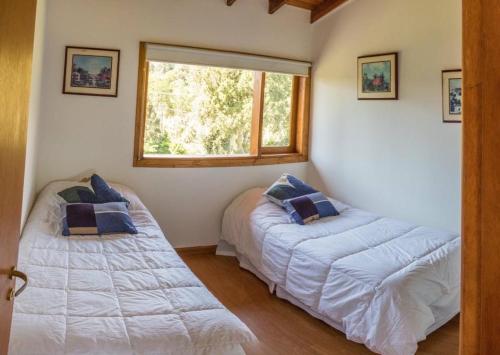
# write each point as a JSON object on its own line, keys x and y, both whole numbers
{"x": 74, "y": 194}
{"x": 307, "y": 208}
{"x": 87, "y": 196}
{"x": 287, "y": 187}
{"x": 104, "y": 192}
{"x": 93, "y": 219}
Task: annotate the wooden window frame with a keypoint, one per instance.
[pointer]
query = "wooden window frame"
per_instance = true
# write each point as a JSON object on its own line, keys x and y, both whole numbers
{"x": 296, "y": 152}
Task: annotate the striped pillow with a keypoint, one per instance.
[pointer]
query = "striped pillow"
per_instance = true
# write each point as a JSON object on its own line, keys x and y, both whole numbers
{"x": 93, "y": 219}
{"x": 307, "y": 208}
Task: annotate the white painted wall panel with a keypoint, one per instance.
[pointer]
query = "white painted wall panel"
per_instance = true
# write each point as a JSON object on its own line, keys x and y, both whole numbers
{"x": 395, "y": 158}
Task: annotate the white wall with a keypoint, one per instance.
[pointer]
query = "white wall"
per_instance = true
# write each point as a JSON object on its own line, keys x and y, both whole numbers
{"x": 34, "y": 112}
{"x": 396, "y": 158}
{"x": 84, "y": 132}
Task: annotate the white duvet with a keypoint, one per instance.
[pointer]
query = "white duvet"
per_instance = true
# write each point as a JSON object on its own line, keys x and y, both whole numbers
{"x": 118, "y": 294}
{"x": 384, "y": 282}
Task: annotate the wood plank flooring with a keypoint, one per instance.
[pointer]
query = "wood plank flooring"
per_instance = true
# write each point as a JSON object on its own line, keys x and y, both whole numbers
{"x": 283, "y": 328}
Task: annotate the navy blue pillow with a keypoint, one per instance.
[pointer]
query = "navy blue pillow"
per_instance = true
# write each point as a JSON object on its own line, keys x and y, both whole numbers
{"x": 287, "y": 187}
{"x": 307, "y": 208}
{"x": 93, "y": 219}
{"x": 74, "y": 194}
{"x": 87, "y": 196}
{"x": 104, "y": 192}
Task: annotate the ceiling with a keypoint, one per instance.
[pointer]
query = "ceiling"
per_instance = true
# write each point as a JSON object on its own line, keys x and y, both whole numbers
{"x": 318, "y": 8}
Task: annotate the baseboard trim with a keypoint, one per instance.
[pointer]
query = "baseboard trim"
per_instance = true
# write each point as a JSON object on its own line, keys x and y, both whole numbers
{"x": 201, "y": 250}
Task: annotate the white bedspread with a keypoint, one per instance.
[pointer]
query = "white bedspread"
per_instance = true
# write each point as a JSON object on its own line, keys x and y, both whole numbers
{"x": 386, "y": 283}
{"x": 119, "y": 294}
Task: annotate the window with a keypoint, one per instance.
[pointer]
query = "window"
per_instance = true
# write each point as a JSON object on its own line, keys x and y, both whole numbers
{"x": 277, "y": 115}
{"x": 197, "y": 110}
{"x": 198, "y": 107}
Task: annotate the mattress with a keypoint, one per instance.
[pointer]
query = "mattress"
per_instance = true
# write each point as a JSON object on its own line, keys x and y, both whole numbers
{"x": 115, "y": 294}
{"x": 383, "y": 282}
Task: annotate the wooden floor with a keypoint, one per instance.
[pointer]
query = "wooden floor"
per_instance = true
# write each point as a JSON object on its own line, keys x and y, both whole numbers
{"x": 283, "y": 328}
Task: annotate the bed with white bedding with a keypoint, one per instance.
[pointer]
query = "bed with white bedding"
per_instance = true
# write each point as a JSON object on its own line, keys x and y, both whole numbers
{"x": 383, "y": 282}
{"x": 116, "y": 294}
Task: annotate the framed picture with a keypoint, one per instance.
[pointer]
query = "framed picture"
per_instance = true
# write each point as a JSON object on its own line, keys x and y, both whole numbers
{"x": 378, "y": 77}
{"x": 91, "y": 71}
{"x": 452, "y": 95}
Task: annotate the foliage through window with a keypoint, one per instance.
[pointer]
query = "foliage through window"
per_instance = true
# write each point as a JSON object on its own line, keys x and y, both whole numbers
{"x": 189, "y": 112}
{"x": 277, "y": 110}
{"x": 197, "y": 110}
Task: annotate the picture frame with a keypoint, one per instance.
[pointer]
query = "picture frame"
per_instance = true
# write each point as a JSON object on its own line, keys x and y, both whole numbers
{"x": 378, "y": 77}
{"x": 91, "y": 71}
{"x": 452, "y": 81}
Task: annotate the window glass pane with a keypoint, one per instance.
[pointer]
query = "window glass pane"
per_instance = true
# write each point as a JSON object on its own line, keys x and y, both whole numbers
{"x": 197, "y": 110}
{"x": 277, "y": 110}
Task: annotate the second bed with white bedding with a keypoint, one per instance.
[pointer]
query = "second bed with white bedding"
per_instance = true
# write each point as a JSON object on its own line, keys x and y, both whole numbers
{"x": 383, "y": 282}
{"x": 115, "y": 294}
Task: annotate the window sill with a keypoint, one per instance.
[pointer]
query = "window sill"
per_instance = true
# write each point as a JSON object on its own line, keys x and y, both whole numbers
{"x": 218, "y": 161}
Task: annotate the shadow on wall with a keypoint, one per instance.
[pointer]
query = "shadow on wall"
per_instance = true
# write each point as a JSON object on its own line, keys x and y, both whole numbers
{"x": 83, "y": 176}
{"x": 315, "y": 179}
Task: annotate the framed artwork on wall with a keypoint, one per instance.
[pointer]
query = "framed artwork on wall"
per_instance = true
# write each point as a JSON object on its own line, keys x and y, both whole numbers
{"x": 378, "y": 77}
{"x": 91, "y": 71}
{"x": 452, "y": 95}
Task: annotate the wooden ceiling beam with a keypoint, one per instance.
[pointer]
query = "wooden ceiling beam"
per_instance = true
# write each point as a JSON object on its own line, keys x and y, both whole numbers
{"x": 319, "y": 8}
{"x": 304, "y": 4}
{"x": 324, "y": 8}
{"x": 275, "y": 5}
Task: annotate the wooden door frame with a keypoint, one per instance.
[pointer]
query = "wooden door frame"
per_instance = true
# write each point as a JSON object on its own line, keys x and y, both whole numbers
{"x": 17, "y": 28}
{"x": 480, "y": 309}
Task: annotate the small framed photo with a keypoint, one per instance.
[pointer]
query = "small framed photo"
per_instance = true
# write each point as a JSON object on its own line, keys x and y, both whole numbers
{"x": 91, "y": 71}
{"x": 452, "y": 95}
{"x": 378, "y": 77}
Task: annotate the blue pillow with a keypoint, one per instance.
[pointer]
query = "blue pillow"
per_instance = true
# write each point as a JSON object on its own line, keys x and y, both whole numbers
{"x": 305, "y": 209}
{"x": 87, "y": 196}
{"x": 104, "y": 192}
{"x": 287, "y": 187}
{"x": 74, "y": 194}
{"x": 92, "y": 219}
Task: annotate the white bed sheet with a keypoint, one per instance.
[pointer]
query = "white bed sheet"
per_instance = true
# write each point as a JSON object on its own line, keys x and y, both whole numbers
{"x": 116, "y": 294}
{"x": 384, "y": 282}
